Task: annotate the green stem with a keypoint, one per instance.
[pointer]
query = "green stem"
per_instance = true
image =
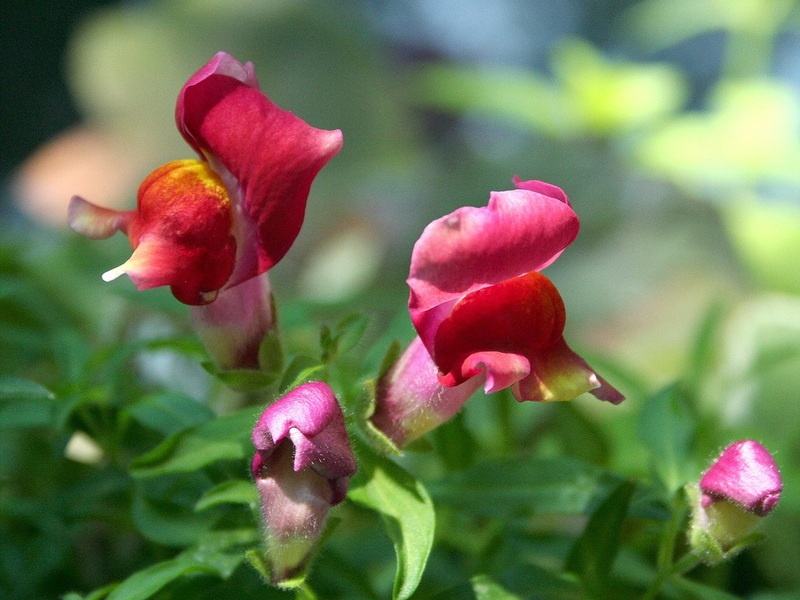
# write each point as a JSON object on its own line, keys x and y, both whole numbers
{"x": 666, "y": 548}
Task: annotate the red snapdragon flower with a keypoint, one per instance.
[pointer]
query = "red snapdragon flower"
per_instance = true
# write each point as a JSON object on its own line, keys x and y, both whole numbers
{"x": 208, "y": 224}
{"x": 481, "y": 306}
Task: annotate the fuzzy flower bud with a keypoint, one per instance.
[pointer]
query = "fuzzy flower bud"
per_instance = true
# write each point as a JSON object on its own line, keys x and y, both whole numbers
{"x": 302, "y": 466}
{"x": 741, "y": 486}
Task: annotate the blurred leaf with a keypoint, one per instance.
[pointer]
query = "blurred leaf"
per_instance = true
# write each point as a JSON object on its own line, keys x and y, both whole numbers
{"x": 25, "y": 403}
{"x": 612, "y": 97}
{"x": 301, "y": 370}
{"x": 766, "y": 236}
{"x": 170, "y": 412}
{"x": 224, "y": 438}
{"x": 593, "y": 554}
{"x": 549, "y": 584}
{"x": 407, "y": 513}
{"x": 519, "y": 95}
{"x": 658, "y": 24}
{"x": 242, "y": 380}
{"x": 700, "y": 591}
{"x": 666, "y": 427}
{"x": 236, "y": 491}
{"x": 525, "y": 485}
{"x": 168, "y": 523}
{"x": 344, "y": 337}
{"x": 748, "y": 136}
{"x": 270, "y": 353}
{"x": 486, "y": 589}
{"x": 15, "y": 388}
{"x": 95, "y": 595}
{"x": 454, "y": 443}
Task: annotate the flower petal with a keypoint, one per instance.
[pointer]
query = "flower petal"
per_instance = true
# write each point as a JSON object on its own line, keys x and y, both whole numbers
{"x": 513, "y": 332}
{"x": 267, "y": 156}
{"x": 745, "y": 474}
{"x": 311, "y": 418}
{"x": 520, "y": 231}
{"x": 94, "y": 221}
{"x": 181, "y": 233}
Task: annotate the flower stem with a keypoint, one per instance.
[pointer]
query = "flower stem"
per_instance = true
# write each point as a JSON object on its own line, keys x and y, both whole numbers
{"x": 666, "y": 549}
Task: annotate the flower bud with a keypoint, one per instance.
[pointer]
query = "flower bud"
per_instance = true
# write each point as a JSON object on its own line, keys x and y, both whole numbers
{"x": 410, "y": 400}
{"x": 233, "y": 326}
{"x": 741, "y": 486}
{"x": 302, "y": 466}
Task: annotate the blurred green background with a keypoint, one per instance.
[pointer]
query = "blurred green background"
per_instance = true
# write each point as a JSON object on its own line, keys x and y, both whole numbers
{"x": 673, "y": 126}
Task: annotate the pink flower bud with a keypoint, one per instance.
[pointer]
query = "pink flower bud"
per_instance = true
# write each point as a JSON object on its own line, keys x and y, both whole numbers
{"x": 741, "y": 486}
{"x": 302, "y": 466}
{"x": 745, "y": 474}
{"x": 410, "y": 400}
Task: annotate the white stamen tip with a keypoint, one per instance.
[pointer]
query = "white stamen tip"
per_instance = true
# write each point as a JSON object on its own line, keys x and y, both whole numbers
{"x": 113, "y": 273}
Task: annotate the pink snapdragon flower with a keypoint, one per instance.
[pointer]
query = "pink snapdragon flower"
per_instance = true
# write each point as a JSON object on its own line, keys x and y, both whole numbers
{"x": 203, "y": 226}
{"x": 302, "y": 467}
{"x": 741, "y": 486}
{"x": 485, "y": 314}
{"x": 480, "y": 304}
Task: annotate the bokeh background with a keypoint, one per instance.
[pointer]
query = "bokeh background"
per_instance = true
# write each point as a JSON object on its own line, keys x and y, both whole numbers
{"x": 673, "y": 126}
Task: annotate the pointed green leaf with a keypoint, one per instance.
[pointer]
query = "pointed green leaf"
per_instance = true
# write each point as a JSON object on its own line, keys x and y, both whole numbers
{"x": 593, "y": 554}
{"x": 525, "y": 485}
{"x": 225, "y": 438}
{"x": 666, "y": 427}
{"x": 235, "y": 491}
{"x": 25, "y": 403}
{"x": 145, "y": 583}
{"x": 407, "y": 513}
{"x": 170, "y": 412}
{"x": 301, "y": 370}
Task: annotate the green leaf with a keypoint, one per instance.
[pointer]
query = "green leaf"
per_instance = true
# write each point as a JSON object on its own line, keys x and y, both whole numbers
{"x": 593, "y": 554}
{"x": 701, "y": 591}
{"x": 166, "y": 522}
{"x": 25, "y": 403}
{"x": 301, "y": 370}
{"x": 407, "y": 513}
{"x": 170, "y": 412}
{"x": 235, "y": 491}
{"x": 345, "y": 336}
{"x": 16, "y": 388}
{"x": 524, "y": 485}
{"x": 486, "y": 589}
{"x": 225, "y": 438}
{"x": 241, "y": 380}
{"x": 145, "y": 583}
{"x": 666, "y": 427}
{"x": 270, "y": 354}
{"x": 98, "y": 594}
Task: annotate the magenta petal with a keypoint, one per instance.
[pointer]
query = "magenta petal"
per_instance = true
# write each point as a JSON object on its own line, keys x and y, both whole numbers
{"x": 310, "y": 417}
{"x": 520, "y": 231}
{"x": 745, "y": 474}
{"x": 267, "y": 156}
